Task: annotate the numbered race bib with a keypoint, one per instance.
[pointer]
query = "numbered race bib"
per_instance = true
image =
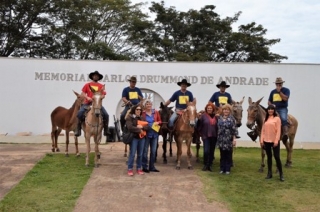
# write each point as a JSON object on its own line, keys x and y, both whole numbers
{"x": 183, "y": 100}
{"x": 223, "y": 100}
{"x": 277, "y": 97}
{"x": 133, "y": 95}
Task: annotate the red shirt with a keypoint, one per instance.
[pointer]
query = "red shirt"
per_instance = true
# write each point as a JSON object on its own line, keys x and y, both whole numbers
{"x": 95, "y": 85}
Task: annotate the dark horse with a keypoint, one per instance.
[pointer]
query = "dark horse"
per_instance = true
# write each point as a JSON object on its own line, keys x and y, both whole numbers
{"x": 65, "y": 119}
{"x": 256, "y": 116}
{"x": 165, "y": 113}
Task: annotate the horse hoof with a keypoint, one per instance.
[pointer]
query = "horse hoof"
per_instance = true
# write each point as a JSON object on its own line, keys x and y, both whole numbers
{"x": 287, "y": 165}
{"x": 58, "y": 150}
{"x": 125, "y": 155}
{"x": 52, "y": 149}
{"x": 98, "y": 156}
{"x": 78, "y": 155}
{"x": 170, "y": 154}
{"x": 177, "y": 167}
{"x": 165, "y": 162}
{"x": 261, "y": 170}
{"x": 197, "y": 160}
{"x": 96, "y": 165}
{"x": 190, "y": 167}
{"x": 67, "y": 155}
{"x": 87, "y": 165}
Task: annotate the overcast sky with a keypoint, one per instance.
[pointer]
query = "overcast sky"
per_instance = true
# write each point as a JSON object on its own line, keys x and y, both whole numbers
{"x": 295, "y": 22}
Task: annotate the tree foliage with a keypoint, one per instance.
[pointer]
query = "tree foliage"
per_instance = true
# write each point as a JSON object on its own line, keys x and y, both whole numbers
{"x": 119, "y": 30}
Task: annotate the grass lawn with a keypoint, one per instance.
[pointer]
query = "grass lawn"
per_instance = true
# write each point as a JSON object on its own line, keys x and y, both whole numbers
{"x": 245, "y": 189}
{"x": 54, "y": 184}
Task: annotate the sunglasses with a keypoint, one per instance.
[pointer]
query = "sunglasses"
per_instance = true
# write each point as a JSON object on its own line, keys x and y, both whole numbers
{"x": 270, "y": 108}
{"x": 138, "y": 109}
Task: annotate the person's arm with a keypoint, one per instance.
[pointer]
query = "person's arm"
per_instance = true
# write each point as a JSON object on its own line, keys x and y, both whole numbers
{"x": 285, "y": 93}
{"x": 262, "y": 135}
{"x": 131, "y": 128}
{"x": 278, "y": 130}
{"x": 167, "y": 102}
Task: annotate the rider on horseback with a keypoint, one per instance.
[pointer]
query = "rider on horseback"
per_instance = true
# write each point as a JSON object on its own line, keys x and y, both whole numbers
{"x": 130, "y": 96}
{"x": 279, "y": 98}
{"x": 181, "y": 97}
{"x": 95, "y": 77}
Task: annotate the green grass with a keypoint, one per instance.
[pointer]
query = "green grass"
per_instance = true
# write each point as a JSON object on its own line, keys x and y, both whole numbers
{"x": 245, "y": 189}
{"x": 54, "y": 184}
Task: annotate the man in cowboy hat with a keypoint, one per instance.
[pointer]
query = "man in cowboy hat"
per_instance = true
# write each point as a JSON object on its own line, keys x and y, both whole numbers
{"x": 221, "y": 97}
{"x": 180, "y": 97}
{"x": 279, "y": 98}
{"x": 131, "y": 95}
{"x": 95, "y": 77}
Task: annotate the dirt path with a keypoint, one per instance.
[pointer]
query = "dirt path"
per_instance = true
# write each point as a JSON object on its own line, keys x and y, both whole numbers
{"x": 110, "y": 189}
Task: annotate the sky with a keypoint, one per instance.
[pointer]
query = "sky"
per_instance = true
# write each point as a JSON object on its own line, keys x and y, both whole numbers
{"x": 295, "y": 22}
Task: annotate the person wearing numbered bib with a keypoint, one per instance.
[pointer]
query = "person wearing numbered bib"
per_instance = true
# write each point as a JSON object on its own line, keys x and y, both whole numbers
{"x": 181, "y": 97}
{"x": 221, "y": 97}
{"x": 151, "y": 116}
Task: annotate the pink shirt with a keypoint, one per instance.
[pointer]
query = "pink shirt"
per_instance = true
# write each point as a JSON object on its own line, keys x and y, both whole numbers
{"x": 271, "y": 130}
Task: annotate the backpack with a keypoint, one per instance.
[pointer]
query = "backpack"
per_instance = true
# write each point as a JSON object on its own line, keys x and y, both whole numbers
{"x": 127, "y": 136}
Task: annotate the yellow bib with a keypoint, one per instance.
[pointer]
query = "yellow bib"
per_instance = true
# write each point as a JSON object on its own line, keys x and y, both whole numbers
{"x": 133, "y": 95}
{"x": 277, "y": 97}
{"x": 223, "y": 100}
{"x": 183, "y": 100}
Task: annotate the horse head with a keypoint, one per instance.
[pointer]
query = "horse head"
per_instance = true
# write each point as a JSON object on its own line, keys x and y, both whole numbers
{"x": 237, "y": 111}
{"x": 191, "y": 113}
{"x": 80, "y": 99}
{"x": 165, "y": 114}
{"x": 252, "y": 110}
{"x": 97, "y": 100}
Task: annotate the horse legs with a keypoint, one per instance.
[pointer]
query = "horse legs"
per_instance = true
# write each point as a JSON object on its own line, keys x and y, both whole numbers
{"x": 197, "y": 155}
{"x": 88, "y": 149}
{"x": 179, "y": 153}
{"x": 189, "y": 154}
{"x": 170, "y": 141}
{"x": 76, "y": 145}
{"x": 58, "y": 131}
{"x": 67, "y": 144}
{"x": 289, "y": 148}
{"x": 96, "y": 150}
{"x": 263, "y": 154}
{"x": 125, "y": 150}
{"x": 164, "y": 147}
{"x": 53, "y": 138}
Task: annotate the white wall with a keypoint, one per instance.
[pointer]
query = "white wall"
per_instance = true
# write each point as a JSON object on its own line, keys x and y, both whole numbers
{"x": 26, "y": 101}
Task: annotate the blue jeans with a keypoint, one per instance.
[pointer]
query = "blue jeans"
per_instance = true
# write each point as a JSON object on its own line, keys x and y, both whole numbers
{"x": 283, "y": 113}
{"x": 136, "y": 145}
{"x": 209, "y": 145}
{"x": 82, "y": 110}
{"x": 174, "y": 116}
{"x": 152, "y": 142}
{"x": 124, "y": 112}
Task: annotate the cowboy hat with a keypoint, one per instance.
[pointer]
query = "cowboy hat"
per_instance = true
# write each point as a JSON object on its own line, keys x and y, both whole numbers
{"x": 279, "y": 80}
{"x": 132, "y": 79}
{"x": 223, "y": 84}
{"x": 97, "y": 73}
{"x": 184, "y": 81}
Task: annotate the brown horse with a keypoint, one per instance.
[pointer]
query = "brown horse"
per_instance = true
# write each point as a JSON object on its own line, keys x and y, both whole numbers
{"x": 65, "y": 119}
{"x": 183, "y": 131}
{"x": 165, "y": 114}
{"x": 256, "y": 117}
{"x": 93, "y": 125}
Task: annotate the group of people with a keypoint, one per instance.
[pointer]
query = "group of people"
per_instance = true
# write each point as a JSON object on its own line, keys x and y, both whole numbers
{"x": 216, "y": 129}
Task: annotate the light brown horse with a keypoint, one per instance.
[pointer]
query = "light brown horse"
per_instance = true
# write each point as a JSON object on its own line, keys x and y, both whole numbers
{"x": 65, "y": 119}
{"x": 183, "y": 131}
{"x": 256, "y": 117}
{"x": 93, "y": 125}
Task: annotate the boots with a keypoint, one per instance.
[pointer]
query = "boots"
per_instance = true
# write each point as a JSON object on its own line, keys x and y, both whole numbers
{"x": 106, "y": 127}
{"x": 77, "y": 132}
{"x": 269, "y": 175}
{"x": 281, "y": 177}
{"x": 285, "y": 130}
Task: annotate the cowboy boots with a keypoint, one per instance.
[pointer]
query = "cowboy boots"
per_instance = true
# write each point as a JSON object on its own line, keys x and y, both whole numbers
{"x": 77, "y": 131}
{"x": 253, "y": 135}
{"x": 285, "y": 130}
{"x": 269, "y": 175}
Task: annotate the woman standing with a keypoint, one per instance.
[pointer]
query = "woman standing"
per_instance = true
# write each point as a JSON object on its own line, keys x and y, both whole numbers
{"x": 270, "y": 136}
{"x": 208, "y": 129}
{"x": 137, "y": 144}
{"x": 152, "y": 116}
{"x": 226, "y": 138}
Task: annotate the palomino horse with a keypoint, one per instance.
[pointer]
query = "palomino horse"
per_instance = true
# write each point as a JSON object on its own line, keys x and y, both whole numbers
{"x": 183, "y": 130}
{"x": 93, "y": 125}
{"x": 256, "y": 116}
{"x": 65, "y": 119}
{"x": 165, "y": 114}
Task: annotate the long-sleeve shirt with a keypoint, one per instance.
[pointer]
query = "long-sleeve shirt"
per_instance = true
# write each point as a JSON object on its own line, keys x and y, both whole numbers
{"x": 271, "y": 130}
{"x": 207, "y": 126}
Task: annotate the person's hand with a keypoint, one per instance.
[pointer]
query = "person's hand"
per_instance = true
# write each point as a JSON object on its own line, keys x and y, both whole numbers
{"x": 234, "y": 142}
{"x": 156, "y": 123}
{"x": 89, "y": 99}
{"x": 102, "y": 97}
{"x": 261, "y": 144}
{"x": 275, "y": 144}
{"x": 140, "y": 126}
